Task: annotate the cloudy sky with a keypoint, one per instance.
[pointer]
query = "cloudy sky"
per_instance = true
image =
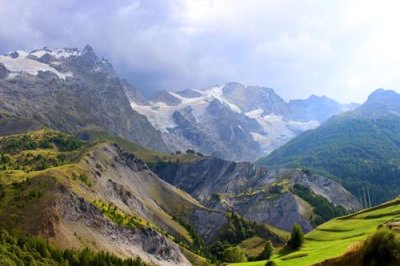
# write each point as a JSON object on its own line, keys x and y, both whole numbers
{"x": 341, "y": 49}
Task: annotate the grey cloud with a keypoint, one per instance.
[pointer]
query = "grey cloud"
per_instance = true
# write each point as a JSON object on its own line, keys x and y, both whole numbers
{"x": 297, "y": 47}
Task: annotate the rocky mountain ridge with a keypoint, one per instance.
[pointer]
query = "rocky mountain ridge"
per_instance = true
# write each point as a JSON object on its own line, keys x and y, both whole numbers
{"x": 232, "y": 121}
{"x": 70, "y": 90}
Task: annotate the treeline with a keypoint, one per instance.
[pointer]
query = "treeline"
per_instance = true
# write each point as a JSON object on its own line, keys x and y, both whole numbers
{"x": 198, "y": 245}
{"x": 28, "y": 250}
{"x": 21, "y": 152}
{"x": 50, "y": 139}
{"x": 237, "y": 230}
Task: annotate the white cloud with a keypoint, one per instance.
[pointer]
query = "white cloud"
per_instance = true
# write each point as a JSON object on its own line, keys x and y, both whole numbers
{"x": 343, "y": 49}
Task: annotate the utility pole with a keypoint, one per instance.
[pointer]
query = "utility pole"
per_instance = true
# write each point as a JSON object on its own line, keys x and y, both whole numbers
{"x": 369, "y": 198}
{"x": 360, "y": 199}
{"x": 365, "y": 197}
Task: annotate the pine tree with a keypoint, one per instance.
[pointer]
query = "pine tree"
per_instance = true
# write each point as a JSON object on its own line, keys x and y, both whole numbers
{"x": 267, "y": 252}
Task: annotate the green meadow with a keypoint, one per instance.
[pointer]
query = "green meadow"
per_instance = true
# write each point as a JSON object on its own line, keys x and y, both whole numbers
{"x": 334, "y": 238}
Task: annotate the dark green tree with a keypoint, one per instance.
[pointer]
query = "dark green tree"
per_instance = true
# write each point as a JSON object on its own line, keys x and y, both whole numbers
{"x": 270, "y": 263}
{"x": 296, "y": 238}
{"x": 267, "y": 252}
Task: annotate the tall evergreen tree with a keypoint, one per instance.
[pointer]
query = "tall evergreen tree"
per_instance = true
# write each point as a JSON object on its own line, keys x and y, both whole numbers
{"x": 296, "y": 238}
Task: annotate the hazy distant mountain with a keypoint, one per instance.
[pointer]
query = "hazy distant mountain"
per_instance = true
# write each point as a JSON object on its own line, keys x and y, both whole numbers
{"x": 233, "y": 121}
{"x": 71, "y": 90}
{"x": 317, "y": 108}
{"x": 361, "y": 148}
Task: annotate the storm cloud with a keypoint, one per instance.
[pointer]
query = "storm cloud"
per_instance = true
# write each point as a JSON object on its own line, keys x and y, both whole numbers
{"x": 342, "y": 49}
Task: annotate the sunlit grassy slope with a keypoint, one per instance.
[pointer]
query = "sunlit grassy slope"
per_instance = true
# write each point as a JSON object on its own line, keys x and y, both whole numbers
{"x": 335, "y": 237}
{"x": 146, "y": 155}
{"x": 34, "y": 163}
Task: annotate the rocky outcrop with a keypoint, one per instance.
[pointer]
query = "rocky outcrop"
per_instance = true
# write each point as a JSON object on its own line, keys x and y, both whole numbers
{"x": 250, "y": 98}
{"x": 3, "y": 71}
{"x": 208, "y": 223}
{"x": 75, "y": 215}
{"x": 280, "y": 210}
{"x": 248, "y": 189}
{"x": 165, "y": 97}
{"x": 133, "y": 94}
{"x": 125, "y": 181}
{"x": 329, "y": 189}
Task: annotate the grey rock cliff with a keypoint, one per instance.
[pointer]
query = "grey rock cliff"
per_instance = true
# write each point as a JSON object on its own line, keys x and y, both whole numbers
{"x": 246, "y": 188}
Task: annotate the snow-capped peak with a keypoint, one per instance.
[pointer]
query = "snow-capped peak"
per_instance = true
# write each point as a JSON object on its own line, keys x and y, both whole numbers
{"x": 194, "y": 118}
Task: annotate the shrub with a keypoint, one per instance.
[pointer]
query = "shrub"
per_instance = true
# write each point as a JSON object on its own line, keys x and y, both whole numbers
{"x": 267, "y": 252}
{"x": 234, "y": 254}
{"x": 270, "y": 263}
{"x": 382, "y": 248}
{"x": 276, "y": 189}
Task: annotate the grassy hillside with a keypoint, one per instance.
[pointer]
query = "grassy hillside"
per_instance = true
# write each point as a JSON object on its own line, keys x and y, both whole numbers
{"x": 38, "y": 169}
{"x": 354, "y": 149}
{"x": 41, "y": 169}
{"x": 338, "y": 236}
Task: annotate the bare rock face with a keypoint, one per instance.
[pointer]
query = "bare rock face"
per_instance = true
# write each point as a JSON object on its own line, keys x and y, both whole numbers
{"x": 329, "y": 189}
{"x": 3, "y": 71}
{"x": 127, "y": 182}
{"x": 77, "y": 214}
{"x": 134, "y": 94}
{"x": 246, "y": 188}
{"x": 281, "y": 211}
{"x": 207, "y": 223}
{"x": 165, "y": 97}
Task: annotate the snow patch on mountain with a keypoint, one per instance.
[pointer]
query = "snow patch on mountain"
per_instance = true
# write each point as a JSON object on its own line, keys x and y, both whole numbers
{"x": 19, "y": 62}
{"x": 273, "y": 131}
{"x": 279, "y": 130}
{"x": 57, "y": 53}
{"x": 160, "y": 114}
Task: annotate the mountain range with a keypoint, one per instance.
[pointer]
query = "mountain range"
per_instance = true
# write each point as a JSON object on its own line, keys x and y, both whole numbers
{"x": 231, "y": 121}
{"x": 71, "y": 90}
{"x": 102, "y": 173}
